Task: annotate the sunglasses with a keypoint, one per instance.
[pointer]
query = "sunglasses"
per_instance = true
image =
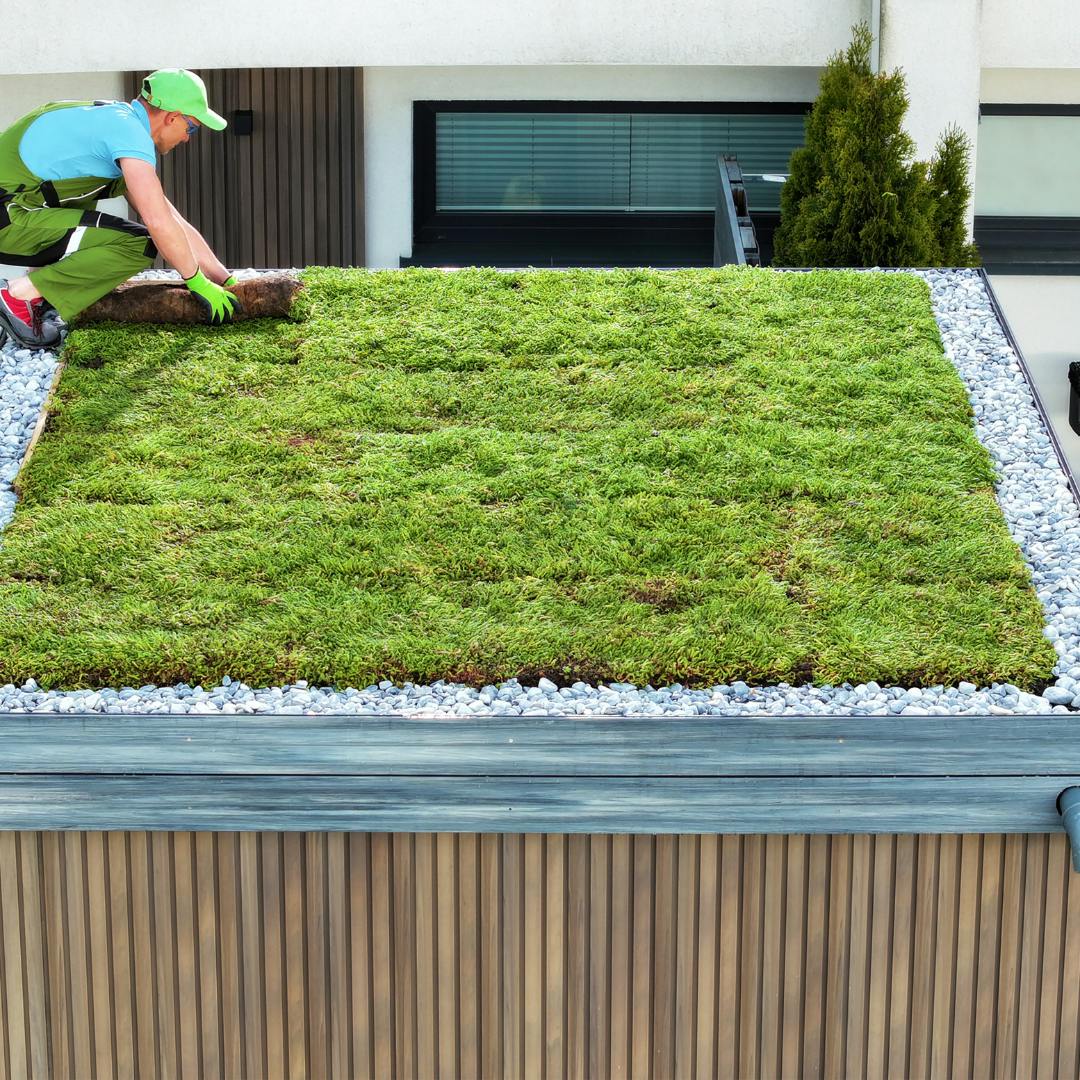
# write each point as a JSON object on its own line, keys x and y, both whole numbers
{"x": 192, "y": 127}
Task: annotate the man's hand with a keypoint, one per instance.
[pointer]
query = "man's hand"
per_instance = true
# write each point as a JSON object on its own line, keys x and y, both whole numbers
{"x": 220, "y": 305}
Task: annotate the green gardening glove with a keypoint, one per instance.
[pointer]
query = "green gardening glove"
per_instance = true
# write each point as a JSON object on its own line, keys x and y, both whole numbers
{"x": 220, "y": 305}
{"x": 229, "y": 282}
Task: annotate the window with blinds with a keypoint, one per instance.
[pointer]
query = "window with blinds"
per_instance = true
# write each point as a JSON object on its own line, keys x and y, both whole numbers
{"x": 605, "y": 161}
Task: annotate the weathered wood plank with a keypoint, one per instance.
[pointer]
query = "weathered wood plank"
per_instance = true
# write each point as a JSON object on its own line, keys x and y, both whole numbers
{"x": 100, "y": 960}
{"x": 11, "y": 972}
{"x": 489, "y": 933}
{"x": 599, "y": 972}
{"x": 555, "y": 900}
{"x": 144, "y": 953}
{"x": 296, "y": 957}
{"x": 728, "y": 977}
{"x": 426, "y": 945}
{"x": 252, "y": 959}
{"x": 794, "y": 944}
{"x": 542, "y": 804}
{"x": 622, "y": 883}
{"x": 664, "y": 975}
{"x": 361, "y": 962}
{"x": 317, "y": 966}
{"x": 816, "y": 958}
{"x": 512, "y": 956}
{"x": 447, "y": 961}
{"x": 469, "y": 981}
{"x": 80, "y": 969}
{"x": 533, "y": 903}
{"x": 229, "y": 929}
{"x": 209, "y": 930}
{"x": 904, "y": 902}
{"x": 542, "y": 746}
{"x": 275, "y": 1024}
{"x": 185, "y": 942}
{"x": 641, "y": 1046}
{"x": 30, "y": 857}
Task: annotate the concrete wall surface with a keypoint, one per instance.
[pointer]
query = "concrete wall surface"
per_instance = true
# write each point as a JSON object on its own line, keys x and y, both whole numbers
{"x": 1038, "y": 34}
{"x": 389, "y": 94}
{"x": 21, "y": 93}
{"x": 1026, "y": 86}
{"x": 329, "y": 33}
{"x": 941, "y": 68}
{"x": 280, "y": 33}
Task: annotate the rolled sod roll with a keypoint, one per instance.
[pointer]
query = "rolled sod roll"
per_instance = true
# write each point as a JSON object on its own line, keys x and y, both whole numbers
{"x": 268, "y": 296}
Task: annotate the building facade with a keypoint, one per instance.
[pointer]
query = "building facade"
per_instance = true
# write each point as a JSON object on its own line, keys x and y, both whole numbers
{"x": 555, "y": 133}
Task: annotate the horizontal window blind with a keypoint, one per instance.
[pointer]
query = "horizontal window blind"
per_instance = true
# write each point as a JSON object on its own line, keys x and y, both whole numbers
{"x": 593, "y": 161}
{"x": 532, "y": 161}
{"x": 674, "y": 157}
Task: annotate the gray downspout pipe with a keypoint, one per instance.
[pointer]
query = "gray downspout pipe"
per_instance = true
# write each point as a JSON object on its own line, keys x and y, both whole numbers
{"x": 875, "y": 29}
{"x": 1068, "y": 804}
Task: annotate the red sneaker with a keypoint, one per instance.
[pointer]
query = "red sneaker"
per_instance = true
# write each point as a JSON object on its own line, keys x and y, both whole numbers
{"x": 25, "y": 320}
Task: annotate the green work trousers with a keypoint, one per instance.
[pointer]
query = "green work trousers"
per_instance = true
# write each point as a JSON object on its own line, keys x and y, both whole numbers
{"x": 82, "y": 254}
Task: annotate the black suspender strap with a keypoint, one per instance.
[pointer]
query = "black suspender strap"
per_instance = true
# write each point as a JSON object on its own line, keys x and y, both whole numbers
{"x": 6, "y": 195}
{"x": 97, "y": 219}
{"x": 48, "y": 193}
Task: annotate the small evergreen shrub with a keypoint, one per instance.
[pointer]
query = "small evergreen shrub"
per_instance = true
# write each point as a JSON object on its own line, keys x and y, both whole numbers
{"x": 855, "y": 195}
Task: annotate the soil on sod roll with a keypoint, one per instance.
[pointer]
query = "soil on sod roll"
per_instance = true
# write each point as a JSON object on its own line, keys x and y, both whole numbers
{"x": 633, "y": 475}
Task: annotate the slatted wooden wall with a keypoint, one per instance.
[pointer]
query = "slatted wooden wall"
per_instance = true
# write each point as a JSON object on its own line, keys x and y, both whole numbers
{"x": 315, "y": 955}
{"x": 291, "y": 193}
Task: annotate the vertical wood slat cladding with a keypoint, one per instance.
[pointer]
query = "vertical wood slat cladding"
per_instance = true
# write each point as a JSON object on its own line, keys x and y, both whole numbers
{"x": 459, "y": 955}
{"x": 292, "y": 192}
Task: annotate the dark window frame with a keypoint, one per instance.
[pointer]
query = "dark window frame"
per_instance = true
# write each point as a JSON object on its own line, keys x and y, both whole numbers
{"x": 1005, "y": 109}
{"x": 1019, "y": 243}
{"x": 494, "y": 226}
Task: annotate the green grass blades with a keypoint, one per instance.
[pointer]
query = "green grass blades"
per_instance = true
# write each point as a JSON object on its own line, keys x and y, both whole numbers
{"x": 633, "y": 475}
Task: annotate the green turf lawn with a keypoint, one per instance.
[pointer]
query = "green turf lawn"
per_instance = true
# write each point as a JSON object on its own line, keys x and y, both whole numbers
{"x": 636, "y": 475}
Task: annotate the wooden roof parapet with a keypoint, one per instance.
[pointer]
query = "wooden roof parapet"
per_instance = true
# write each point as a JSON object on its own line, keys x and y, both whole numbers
{"x": 537, "y": 774}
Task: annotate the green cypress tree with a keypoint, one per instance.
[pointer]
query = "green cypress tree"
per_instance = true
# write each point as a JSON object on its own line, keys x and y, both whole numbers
{"x": 951, "y": 194}
{"x": 855, "y": 196}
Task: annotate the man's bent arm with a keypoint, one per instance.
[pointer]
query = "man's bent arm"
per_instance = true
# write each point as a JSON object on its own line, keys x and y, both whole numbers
{"x": 209, "y": 263}
{"x": 147, "y": 196}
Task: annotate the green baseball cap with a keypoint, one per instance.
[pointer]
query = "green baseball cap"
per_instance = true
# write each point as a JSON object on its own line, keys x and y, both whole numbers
{"x": 177, "y": 90}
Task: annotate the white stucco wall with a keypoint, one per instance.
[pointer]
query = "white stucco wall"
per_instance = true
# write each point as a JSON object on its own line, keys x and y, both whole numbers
{"x": 389, "y": 94}
{"x": 1035, "y": 34}
{"x": 21, "y": 93}
{"x": 115, "y": 35}
{"x": 941, "y": 69}
{"x": 111, "y": 35}
{"x": 1031, "y": 86}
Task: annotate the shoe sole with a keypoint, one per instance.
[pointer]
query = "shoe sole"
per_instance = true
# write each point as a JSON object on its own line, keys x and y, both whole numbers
{"x": 8, "y": 330}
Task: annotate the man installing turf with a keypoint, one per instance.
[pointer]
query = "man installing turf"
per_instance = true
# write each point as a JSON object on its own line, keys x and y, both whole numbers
{"x": 56, "y": 162}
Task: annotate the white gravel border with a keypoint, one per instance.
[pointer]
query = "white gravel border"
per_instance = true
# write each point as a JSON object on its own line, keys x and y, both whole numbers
{"x": 1032, "y": 490}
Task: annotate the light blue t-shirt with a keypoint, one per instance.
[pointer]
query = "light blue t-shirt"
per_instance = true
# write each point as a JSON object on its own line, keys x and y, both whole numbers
{"x": 86, "y": 140}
